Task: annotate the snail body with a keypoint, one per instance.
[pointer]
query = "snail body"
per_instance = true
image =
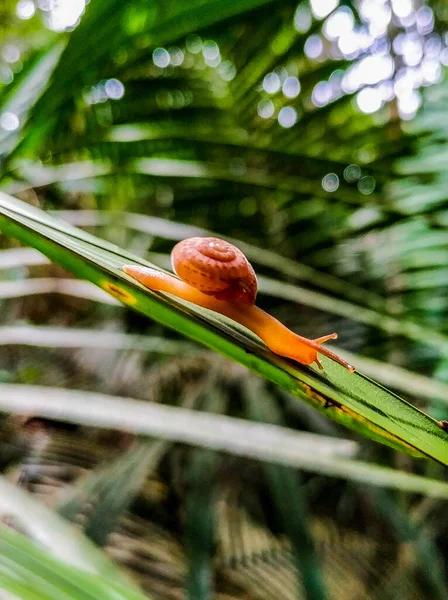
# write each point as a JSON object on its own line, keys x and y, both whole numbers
{"x": 216, "y": 275}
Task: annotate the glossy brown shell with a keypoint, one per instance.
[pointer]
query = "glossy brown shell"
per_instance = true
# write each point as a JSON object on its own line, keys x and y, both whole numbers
{"x": 215, "y": 268}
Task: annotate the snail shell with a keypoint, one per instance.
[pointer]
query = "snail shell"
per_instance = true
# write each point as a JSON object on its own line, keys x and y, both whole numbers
{"x": 215, "y": 268}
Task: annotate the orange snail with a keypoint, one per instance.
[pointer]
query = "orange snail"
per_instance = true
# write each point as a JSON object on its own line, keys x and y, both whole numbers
{"x": 216, "y": 275}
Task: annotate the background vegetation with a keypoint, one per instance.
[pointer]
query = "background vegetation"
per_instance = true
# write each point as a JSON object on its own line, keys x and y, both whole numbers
{"x": 314, "y": 134}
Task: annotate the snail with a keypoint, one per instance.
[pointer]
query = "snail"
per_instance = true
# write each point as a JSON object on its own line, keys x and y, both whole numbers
{"x": 216, "y": 275}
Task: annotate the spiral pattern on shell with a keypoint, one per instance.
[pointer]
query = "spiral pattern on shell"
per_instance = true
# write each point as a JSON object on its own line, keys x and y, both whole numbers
{"x": 215, "y": 268}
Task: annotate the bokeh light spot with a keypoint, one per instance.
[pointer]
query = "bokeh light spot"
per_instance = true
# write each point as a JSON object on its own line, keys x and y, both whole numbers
{"x": 193, "y": 44}
{"x": 444, "y": 57}
{"x": 425, "y": 19}
{"x": 302, "y": 19}
{"x": 366, "y": 185}
{"x": 114, "y": 89}
{"x": 161, "y": 57}
{"x": 9, "y": 121}
{"x": 265, "y": 109}
{"x": 322, "y": 8}
{"x": 25, "y": 9}
{"x": 408, "y": 104}
{"x": 322, "y": 93}
{"x": 6, "y": 75}
{"x": 213, "y": 62}
{"x": 287, "y": 117}
{"x": 227, "y": 70}
{"x": 176, "y": 56}
{"x": 65, "y": 14}
{"x": 11, "y": 53}
{"x": 431, "y": 71}
{"x": 402, "y": 8}
{"x": 271, "y": 83}
{"x": 433, "y": 46}
{"x": 369, "y": 70}
{"x": 45, "y": 5}
{"x": 369, "y": 100}
{"x": 411, "y": 49}
{"x": 378, "y": 16}
{"x": 386, "y": 90}
{"x": 330, "y": 182}
{"x": 291, "y": 87}
{"x": 352, "y": 173}
{"x": 313, "y": 46}
{"x": 178, "y": 99}
{"x": 210, "y": 51}
{"x": 339, "y": 23}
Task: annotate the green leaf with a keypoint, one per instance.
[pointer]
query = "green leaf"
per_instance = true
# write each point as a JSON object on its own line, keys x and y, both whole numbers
{"x": 32, "y": 572}
{"x": 375, "y": 316}
{"x": 350, "y": 398}
{"x": 55, "y": 534}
